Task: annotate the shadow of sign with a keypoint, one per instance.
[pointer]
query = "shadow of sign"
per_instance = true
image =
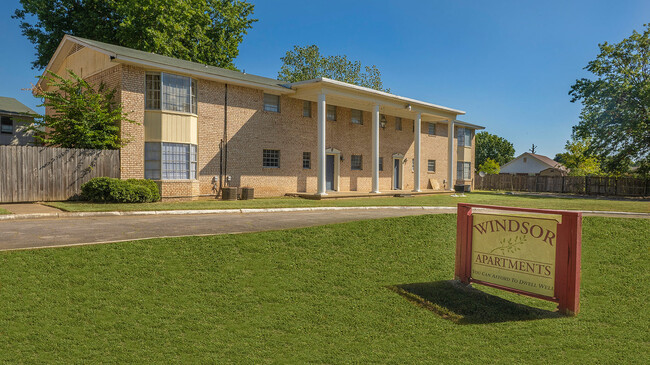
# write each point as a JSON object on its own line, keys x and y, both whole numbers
{"x": 463, "y": 304}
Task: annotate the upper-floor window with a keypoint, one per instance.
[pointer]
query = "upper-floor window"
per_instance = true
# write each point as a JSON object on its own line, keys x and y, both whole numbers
{"x": 398, "y": 123}
{"x": 306, "y": 108}
{"x": 464, "y": 137}
{"x": 331, "y": 112}
{"x": 170, "y": 92}
{"x": 272, "y": 103}
{"x": 432, "y": 129}
{"x": 357, "y": 116}
{"x": 6, "y": 125}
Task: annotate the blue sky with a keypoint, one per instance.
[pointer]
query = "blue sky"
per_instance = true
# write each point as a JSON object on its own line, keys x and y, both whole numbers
{"x": 508, "y": 64}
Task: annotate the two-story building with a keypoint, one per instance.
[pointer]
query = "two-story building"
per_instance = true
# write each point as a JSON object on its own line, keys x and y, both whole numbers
{"x": 200, "y": 127}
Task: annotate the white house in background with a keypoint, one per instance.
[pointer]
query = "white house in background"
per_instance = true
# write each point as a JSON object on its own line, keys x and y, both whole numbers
{"x": 533, "y": 164}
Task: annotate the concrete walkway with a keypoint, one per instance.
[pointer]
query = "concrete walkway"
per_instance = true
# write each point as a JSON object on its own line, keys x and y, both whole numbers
{"x": 29, "y": 208}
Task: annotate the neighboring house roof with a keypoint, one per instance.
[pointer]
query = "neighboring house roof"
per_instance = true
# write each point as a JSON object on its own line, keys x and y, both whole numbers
{"x": 11, "y": 106}
{"x": 541, "y": 158}
{"x": 155, "y": 61}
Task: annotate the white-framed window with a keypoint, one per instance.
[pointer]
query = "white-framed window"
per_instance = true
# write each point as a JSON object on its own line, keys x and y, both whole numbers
{"x": 170, "y": 161}
{"x": 381, "y": 164}
{"x": 431, "y": 165}
{"x": 6, "y": 125}
{"x": 356, "y": 162}
{"x": 164, "y": 91}
{"x": 464, "y": 137}
{"x": 356, "y": 116}
{"x": 331, "y": 113}
{"x": 272, "y": 103}
{"x": 306, "y": 160}
{"x": 271, "y": 158}
{"x": 431, "y": 129}
{"x": 398, "y": 123}
{"x": 464, "y": 170}
{"x": 306, "y": 108}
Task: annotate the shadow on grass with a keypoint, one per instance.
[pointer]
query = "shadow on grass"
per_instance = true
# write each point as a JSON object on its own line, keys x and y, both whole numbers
{"x": 463, "y": 304}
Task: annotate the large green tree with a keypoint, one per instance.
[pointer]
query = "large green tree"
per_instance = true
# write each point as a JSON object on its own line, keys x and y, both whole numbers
{"x": 491, "y": 146}
{"x": 616, "y": 104}
{"x": 82, "y": 115}
{"x": 205, "y": 31}
{"x": 578, "y": 158}
{"x": 307, "y": 63}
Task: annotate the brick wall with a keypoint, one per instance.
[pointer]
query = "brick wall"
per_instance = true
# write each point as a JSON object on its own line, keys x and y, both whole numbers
{"x": 251, "y": 130}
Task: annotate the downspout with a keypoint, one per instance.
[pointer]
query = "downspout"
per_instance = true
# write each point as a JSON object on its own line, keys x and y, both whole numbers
{"x": 225, "y": 134}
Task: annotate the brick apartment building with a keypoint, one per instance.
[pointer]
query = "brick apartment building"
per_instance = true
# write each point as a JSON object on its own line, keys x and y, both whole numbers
{"x": 201, "y": 127}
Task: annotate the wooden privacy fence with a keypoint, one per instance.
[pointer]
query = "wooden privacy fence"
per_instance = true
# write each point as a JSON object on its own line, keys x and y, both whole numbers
{"x": 30, "y": 173}
{"x": 588, "y": 185}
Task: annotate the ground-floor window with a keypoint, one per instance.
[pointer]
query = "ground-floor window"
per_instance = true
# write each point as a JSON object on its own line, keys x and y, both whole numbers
{"x": 464, "y": 170}
{"x": 431, "y": 165}
{"x": 306, "y": 160}
{"x": 381, "y": 164}
{"x": 7, "y": 125}
{"x": 170, "y": 161}
{"x": 356, "y": 162}
{"x": 271, "y": 158}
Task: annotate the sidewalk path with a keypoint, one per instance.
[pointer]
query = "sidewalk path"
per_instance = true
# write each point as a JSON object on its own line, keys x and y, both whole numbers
{"x": 75, "y": 229}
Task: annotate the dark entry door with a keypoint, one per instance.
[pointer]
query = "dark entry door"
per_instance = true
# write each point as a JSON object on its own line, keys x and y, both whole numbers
{"x": 396, "y": 179}
{"x": 329, "y": 173}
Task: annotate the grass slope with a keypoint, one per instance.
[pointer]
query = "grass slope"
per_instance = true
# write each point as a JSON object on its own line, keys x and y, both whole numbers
{"x": 492, "y": 198}
{"x": 317, "y": 295}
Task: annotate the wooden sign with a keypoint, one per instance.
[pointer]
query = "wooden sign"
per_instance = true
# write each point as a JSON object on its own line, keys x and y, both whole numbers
{"x": 534, "y": 252}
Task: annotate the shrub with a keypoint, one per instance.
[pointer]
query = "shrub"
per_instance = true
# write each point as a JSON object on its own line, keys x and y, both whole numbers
{"x": 150, "y": 185}
{"x": 110, "y": 190}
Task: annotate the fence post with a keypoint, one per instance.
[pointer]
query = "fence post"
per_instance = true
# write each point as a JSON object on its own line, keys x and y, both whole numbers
{"x": 586, "y": 184}
{"x": 562, "y": 184}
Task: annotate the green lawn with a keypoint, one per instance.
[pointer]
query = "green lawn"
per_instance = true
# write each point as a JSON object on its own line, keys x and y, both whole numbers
{"x": 432, "y": 200}
{"x": 3, "y": 211}
{"x": 315, "y": 295}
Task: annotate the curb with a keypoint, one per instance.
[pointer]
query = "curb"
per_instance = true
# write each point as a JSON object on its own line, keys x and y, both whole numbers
{"x": 5, "y": 217}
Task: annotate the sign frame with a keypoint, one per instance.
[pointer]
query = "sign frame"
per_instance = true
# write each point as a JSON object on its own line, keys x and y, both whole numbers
{"x": 567, "y": 254}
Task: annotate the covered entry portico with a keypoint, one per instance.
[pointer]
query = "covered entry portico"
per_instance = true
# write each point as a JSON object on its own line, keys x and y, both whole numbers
{"x": 325, "y": 91}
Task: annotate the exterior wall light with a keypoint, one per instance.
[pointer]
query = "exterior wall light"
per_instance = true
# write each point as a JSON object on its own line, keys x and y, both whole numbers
{"x": 382, "y": 121}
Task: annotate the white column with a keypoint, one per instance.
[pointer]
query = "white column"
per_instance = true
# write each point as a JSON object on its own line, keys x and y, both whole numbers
{"x": 322, "y": 123}
{"x": 375, "y": 149}
{"x": 452, "y": 166}
{"x": 416, "y": 137}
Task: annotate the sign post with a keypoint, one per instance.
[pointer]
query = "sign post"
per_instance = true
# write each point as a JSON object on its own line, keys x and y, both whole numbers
{"x": 534, "y": 252}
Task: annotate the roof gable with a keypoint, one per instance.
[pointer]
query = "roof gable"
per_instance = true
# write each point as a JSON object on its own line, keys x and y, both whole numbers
{"x": 12, "y": 106}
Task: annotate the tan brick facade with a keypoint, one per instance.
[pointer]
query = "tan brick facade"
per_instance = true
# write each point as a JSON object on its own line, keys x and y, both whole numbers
{"x": 250, "y": 130}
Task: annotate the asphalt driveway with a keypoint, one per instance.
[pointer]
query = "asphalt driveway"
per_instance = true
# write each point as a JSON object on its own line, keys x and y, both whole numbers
{"x": 37, "y": 233}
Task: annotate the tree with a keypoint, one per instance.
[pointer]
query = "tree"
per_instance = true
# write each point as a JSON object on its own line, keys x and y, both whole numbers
{"x": 204, "y": 31}
{"x": 490, "y": 167}
{"x": 307, "y": 63}
{"x": 494, "y": 147}
{"x": 616, "y": 105}
{"x": 82, "y": 115}
{"x": 578, "y": 158}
